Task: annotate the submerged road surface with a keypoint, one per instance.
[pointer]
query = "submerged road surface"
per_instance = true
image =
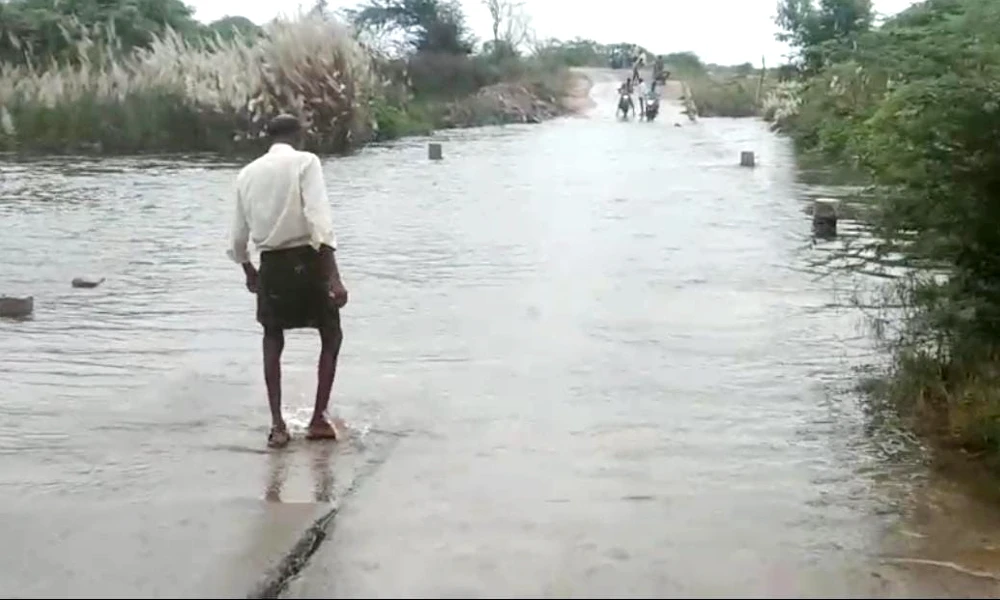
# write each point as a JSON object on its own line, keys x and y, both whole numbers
{"x": 582, "y": 358}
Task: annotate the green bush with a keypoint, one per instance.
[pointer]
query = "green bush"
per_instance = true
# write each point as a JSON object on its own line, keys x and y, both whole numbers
{"x": 449, "y": 76}
{"x": 729, "y": 97}
{"x": 916, "y": 104}
{"x": 394, "y": 122}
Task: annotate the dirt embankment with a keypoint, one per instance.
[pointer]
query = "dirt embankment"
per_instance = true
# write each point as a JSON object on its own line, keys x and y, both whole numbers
{"x": 578, "y": 99}
{"x": 510, "y": 102}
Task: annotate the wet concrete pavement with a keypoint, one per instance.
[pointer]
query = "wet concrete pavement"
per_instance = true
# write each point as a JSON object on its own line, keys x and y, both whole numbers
{"x": 220, "y": 526}
{"x": 149, "y": 550}
{"x": 603, "y": 373}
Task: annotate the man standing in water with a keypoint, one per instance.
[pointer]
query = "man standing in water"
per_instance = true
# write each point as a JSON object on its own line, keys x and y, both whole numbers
{"x": 282, "y": 206}
{"x": 640, "y": 90}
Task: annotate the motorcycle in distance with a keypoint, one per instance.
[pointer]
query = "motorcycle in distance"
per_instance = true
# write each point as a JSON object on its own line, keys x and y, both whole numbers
{"x": 652, "y": 107}
{"x": 624, "y": 105}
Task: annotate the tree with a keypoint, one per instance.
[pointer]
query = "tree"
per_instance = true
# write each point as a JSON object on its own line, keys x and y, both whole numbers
{"x": 229, "y": 27}
{"x": 42, "y": 30}
{"x": 511, "y": 26}
{"x": 427, "y": 25}
{"x": 320, "y": 8}
{"x": 684, "y": 63}
{"x": 572, "y": 53}
{"x": 815, "y": 31}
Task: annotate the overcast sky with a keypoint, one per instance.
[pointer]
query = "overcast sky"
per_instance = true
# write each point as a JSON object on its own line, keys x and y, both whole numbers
{"x": 720, "y": 31}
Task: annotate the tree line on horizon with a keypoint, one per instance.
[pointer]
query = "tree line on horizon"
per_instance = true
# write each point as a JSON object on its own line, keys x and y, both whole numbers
{"x": 38, "y": 32}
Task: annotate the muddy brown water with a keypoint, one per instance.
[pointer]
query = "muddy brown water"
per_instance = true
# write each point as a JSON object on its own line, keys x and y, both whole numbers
{"x": 581, "y": 358}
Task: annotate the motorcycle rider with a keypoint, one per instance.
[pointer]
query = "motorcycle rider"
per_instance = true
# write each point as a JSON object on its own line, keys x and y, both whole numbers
{"x": 658, "y": 69}
{"x": 625, "y": 92}
{"x": 652, "y": 105}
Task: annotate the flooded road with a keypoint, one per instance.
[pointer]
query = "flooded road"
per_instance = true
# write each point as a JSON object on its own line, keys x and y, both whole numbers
{"x": 581, "y": 358}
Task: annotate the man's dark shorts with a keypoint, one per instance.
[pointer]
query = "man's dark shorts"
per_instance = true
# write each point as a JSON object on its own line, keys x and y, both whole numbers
{"x": 293, "y": 291}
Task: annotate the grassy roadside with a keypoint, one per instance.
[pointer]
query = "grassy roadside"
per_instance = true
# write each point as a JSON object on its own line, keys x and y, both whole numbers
{"x": 722, "y": 96}
{"x": 926, "y": 139}
{"x": 727, "y": 93}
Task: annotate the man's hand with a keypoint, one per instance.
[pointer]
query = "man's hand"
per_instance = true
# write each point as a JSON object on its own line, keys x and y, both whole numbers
{"x": 338, "y": 293}
{"x": 252, "y": 277}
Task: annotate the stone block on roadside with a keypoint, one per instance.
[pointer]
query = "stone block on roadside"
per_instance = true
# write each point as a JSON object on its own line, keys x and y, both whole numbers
{"x": 16, "y": 308}
{"x": 825, "y": 218}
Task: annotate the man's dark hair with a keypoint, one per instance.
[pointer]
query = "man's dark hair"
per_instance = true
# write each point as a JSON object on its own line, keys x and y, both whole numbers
{"x": 284, "y": 126}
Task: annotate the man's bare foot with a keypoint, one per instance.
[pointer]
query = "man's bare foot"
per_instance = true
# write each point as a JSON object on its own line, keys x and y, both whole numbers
{"x": 278, "y": 437}
{"x": 321, "y": 429}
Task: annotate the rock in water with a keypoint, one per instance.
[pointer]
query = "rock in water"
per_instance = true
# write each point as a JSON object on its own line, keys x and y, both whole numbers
{"x": 86, "y": 282}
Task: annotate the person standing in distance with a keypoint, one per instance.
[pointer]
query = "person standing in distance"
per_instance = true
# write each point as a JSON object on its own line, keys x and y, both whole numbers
{"x": 641, "y": 92}
{"x": 282, "y": 206}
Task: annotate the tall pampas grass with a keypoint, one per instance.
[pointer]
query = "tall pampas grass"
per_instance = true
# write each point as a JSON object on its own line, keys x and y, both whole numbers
{"x": 782, "y": 103}
{"x": 209, "y": 95}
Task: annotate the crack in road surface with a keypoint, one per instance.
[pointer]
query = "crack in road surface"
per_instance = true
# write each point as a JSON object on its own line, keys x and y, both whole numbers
{"x": 277, "y": 579}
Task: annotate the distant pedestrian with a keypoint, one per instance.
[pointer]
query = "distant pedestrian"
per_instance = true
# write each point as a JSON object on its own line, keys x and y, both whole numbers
{"x": 638, "y": 63}
{"x": 282, "y": 207}
{"x": 641, "y": 92}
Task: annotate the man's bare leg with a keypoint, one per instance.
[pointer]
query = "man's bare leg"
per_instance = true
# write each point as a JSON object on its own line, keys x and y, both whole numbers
{"x": 274, "y": 344}
{"x": 331, "y": 338}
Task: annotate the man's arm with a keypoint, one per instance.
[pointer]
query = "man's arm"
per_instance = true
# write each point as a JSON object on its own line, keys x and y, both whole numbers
{"x": 239, "y": 234}
{"x": 316, "y": 206}
{"x": 333, "y": 272}
{"x": 239, "y": 239}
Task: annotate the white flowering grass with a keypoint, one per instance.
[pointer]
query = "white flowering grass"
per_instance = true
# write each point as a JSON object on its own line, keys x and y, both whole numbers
{"x": 177, "y": 95}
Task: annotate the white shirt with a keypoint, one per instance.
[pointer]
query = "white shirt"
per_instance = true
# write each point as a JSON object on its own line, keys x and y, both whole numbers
{"x": 281, "y": 202}
{"x": 640, "y": 89}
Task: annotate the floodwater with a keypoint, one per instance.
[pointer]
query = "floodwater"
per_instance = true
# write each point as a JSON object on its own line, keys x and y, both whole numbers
{"x": 581, "y": 358}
